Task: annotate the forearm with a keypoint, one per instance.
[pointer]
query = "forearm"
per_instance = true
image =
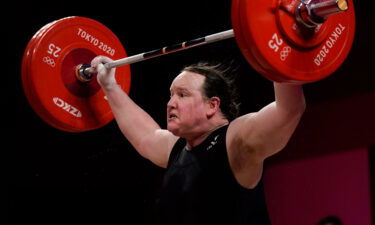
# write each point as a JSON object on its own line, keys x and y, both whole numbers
{"x": 289, "y": 98}
{"x": 275, "y": 123}
{"x": 132, "y": 120}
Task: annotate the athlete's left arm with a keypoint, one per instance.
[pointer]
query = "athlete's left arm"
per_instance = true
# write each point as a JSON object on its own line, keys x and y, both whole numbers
{"x": 267, "y": 131}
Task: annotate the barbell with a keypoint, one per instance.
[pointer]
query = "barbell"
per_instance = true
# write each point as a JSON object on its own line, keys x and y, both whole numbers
{"x": 294, "y": 41}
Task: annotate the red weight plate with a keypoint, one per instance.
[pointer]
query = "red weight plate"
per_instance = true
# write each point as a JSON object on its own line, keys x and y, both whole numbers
{"x": 48, "y": 73}
{"x": 25, "y": 69}
{"x": 28, "y": 83}
{"x": 291, "y": 57}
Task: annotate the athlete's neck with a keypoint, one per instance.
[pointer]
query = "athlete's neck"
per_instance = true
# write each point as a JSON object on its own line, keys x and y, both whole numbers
{"x": 196, "y": 140}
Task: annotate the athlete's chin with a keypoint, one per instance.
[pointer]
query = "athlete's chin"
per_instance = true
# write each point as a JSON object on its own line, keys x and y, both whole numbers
{"x": 173, "y": 129}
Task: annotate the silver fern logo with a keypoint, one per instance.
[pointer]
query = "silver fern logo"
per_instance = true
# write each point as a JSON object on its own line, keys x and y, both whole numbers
{"x": 214, "y": 142}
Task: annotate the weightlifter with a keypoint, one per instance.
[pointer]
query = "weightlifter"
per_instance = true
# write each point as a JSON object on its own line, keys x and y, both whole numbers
{"x": 213, "y": 158}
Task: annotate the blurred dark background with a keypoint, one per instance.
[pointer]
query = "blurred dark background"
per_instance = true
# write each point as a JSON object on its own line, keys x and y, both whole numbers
{"x": 96, "y": 177}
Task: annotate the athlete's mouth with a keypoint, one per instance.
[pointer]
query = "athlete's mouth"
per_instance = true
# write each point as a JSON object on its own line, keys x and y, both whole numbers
{"x": 172, "y": 116}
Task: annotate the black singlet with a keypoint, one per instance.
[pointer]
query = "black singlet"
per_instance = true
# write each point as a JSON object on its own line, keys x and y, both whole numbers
{"x": 199, "y": 188}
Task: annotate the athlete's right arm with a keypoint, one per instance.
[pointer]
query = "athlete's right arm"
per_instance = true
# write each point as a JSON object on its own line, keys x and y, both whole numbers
{"x": 139, "y": 128}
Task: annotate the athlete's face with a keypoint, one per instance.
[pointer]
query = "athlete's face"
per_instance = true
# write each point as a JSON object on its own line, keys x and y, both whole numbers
{"x": 187, "y": 107}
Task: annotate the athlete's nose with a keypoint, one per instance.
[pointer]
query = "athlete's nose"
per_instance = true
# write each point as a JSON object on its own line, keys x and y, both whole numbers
{"x": 171, "y": 103}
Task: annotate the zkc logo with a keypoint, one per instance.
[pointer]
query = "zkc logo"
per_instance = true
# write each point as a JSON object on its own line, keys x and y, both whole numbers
{"x": 67, "y": 107}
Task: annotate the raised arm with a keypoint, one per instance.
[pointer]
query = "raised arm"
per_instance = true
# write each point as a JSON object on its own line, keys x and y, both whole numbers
{"x": 253, "y": 137}
{"x": 139, "y": 128}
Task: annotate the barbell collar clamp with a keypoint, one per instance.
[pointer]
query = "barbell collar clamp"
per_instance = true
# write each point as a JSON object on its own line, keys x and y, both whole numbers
{"x": 312, "y": 13}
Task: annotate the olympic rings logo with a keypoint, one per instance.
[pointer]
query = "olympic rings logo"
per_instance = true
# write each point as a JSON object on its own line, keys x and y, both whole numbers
{"x": 285, "y": 52}
{"x": 49, "y": 61}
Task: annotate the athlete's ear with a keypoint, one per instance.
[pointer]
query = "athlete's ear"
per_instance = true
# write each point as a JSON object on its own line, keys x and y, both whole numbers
{"x": 213, "y": 106}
